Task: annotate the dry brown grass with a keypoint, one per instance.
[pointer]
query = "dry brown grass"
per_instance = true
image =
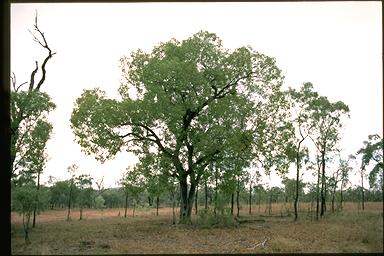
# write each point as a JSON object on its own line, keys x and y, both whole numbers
{"x": 106, "y": 233}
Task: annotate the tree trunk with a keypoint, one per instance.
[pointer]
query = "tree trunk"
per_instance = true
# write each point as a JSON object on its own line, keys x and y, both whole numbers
{"x": 270, "y": 204}
{"x": 69, "y": 201}
{"x": 322, "y": 184}
{"x": 134, "y": 208}
{"x": 36, "y": 200}
{"x": 297, "y": 186}
{"x": 206, "y": 194}
{"x": 157, "y": 206}
{"x": 341, "y": 195}
{"x": 317, "y": 193}
{"x": 126, "y": 205}
{"x": 215, "y": 206}
{"x": 186, "y": 200}
{"x": 297, "y": 176}
{"x": 250, "y": 198}
{"x": 333, "y": 198}
{"x": 26, "y": 227}
{"x": 197, "y": 191}
{"x": 362, "y": 190}
{"x": 334, "y": 191}
{"x": 81, "y": 212}
{"x": 232, "y": 201}
{"x": 149, "y": 201}
{"x": 237, "y": 202}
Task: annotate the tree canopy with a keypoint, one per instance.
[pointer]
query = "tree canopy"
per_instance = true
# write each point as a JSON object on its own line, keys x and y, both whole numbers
{"x": 190, "y": 101}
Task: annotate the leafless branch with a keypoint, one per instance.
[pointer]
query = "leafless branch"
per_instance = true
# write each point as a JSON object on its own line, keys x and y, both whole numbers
{"x": 44, "y": 44}
{"x": 13, "y": 79}
{"x": 32, "y": 81}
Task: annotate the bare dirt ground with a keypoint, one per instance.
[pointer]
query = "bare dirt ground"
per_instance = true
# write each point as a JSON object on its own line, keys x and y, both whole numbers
{"x": 105, "y": 232}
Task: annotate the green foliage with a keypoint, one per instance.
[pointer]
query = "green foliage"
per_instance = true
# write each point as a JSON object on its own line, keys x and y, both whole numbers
{"x": 133, "y": 182}
{"x": 84, "y": 185}
{"x": 194, "y": 92}
{"x": 373, "y": 151}
{"x": 208, "y": 219}
{"x": 25, "y": 198}
{"x": 30, "y": 130}
{"x": 327, "y": 119}
{"x": 60, "y": 192}
{"x": 290, "y": 188}
{"x": 273, "y": 134}
{"x": 99, "y": 202}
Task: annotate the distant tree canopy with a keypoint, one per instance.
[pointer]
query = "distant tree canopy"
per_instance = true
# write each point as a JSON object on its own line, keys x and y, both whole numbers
{"x": 373, "y": 152}
{"x": 189, "y": 103}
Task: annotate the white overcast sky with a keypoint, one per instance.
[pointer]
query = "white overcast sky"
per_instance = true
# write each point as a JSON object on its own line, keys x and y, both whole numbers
{"x": 335, "y": 45}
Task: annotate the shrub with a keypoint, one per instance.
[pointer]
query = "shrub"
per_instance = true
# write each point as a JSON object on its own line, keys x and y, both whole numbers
{"x": 208, "y": 219}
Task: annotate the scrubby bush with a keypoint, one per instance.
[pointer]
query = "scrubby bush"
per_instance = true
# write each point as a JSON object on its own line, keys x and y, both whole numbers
{"x": 208, "y": 219}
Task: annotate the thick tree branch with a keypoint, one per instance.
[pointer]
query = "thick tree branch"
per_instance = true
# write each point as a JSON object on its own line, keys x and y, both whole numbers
{"x": 206, "y": 158}
{"x": 32, "y": 81}
{"x": 157, "y": 140}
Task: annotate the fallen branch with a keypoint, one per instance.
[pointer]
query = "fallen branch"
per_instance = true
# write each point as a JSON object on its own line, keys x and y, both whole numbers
{"x": 262, "y": 244}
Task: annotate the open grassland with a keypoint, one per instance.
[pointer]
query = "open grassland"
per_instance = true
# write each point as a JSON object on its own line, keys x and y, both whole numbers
{"x": 105, "y": 232}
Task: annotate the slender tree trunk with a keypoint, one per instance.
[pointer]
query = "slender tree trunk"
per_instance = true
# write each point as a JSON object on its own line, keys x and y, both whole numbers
{"x": 250, "y": 198}
{"x": 69, "y": 201}
{"x": 206, "y": 194}
{"x": 322, "y": 184}
{"x": 362, "y": 190}
{"x": 270, "y": 204}
{"x": 237, "y": 202}
{"x": 157, "y": 206}
{"x": 232, "y": 202}
{"x": 126, "y": 205}
{"x": 341, "y": 195}
{"x": 297, "y": 176}
{"x": 81, "y": 212}
{"x": 317, "y": 193}
{"x": 215, "y": 206}
{"x": 297, "y": 186}
{"x": 36, "y": 200}
{"x": 134, "y": 208}
{"x": 149, "y": 201}
{"x": 196, "y": 197}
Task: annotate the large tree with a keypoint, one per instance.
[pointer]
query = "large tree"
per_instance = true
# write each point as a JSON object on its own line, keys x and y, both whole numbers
{"x": 188, "y": 101}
